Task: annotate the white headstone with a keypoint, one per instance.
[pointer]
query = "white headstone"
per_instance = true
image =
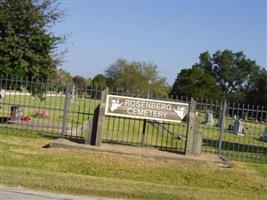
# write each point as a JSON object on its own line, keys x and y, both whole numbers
{"x": 2, "y": 93}
{"x": 237, "y": 127}
{"x": 209, "y": 120}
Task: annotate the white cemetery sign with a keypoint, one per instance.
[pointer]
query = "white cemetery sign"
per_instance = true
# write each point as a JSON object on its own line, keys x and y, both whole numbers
{"x": 140, "y": 108}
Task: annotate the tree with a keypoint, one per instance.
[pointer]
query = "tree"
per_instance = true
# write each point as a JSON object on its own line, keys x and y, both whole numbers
{"x": 100, "y": 80}
{"x": 62, "y": 77}
{"x": 232, "y": 71}
{"x": 196, "y": 83}
{"x": 140, "y": 77}
{"x": 81, "y": 82}
{"x": 27, "y": 48}
{"x": 257, "y": 94}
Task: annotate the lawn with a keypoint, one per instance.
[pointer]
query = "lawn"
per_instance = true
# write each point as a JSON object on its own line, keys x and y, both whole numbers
{"x": 24, "y": 162}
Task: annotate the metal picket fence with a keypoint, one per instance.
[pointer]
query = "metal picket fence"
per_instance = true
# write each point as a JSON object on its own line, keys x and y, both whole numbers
{"x": 64, "y": 110}
{"x": 47, "y": 107}
{"x": 233, "y": 130}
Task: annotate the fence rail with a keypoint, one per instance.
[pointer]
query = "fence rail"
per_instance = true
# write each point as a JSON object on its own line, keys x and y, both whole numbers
{"x": 231, "y": 129}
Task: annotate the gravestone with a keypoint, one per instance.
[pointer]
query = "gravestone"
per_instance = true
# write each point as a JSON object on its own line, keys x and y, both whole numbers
{"x": 2, "y": 93}
{"x": 237, "y": 128}
{"x": 245, "y": 116}
{"x": 209, "y": 120}
{"x": 264, "y": 135}
{"x": 16, "y": 113}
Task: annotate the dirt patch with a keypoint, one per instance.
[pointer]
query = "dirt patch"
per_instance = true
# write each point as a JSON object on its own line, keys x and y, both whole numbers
{"x": 141, "y": 152}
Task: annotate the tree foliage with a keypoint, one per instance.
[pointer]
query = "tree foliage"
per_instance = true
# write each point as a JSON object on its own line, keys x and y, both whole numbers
{"x": 62, "y": 77}
{"x": 257, "y": 93}
{"x": 81, "y": 82}
{"x": 137, "y": 76}
{"x": 27, "y": 48}
{"x": 99, "y": 80}
{"x": 196, "y": 83}
{"x": 232, "y": 71}
{"x": 224, "y": 74}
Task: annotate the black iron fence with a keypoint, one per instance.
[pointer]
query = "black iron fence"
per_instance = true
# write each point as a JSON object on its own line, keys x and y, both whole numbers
{"x": 230, "y": 129}
{"x": 46, "y": 107}
{"x": 233, "y": 130}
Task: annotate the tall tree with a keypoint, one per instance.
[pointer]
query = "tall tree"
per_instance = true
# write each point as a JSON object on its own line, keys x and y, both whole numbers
{"x": 100, "y": 80}
{"x": 81, "y": 82}
{"x": 27, "y": 48}
{"x": 257, "y": 94}
{"x": 232, "y": 71}
{"x": 196, "y": 83}
{"x": 62, "y": 77}
{"x": 138, "y": 76}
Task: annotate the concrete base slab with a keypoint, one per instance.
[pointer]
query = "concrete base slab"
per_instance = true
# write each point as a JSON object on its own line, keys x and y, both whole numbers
{"x": 143, "y": 152}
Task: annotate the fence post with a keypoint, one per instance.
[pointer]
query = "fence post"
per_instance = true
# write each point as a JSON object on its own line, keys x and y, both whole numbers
{"x": 197, "y": 138}
{"x": 190, "y": 127}
{"x": 98, "y": 120}
{"x": 222, "y": 124}
{"x": 65, "y": 112}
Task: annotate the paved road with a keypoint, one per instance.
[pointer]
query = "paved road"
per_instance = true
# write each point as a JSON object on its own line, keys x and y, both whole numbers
{"x": 9, "y": 193}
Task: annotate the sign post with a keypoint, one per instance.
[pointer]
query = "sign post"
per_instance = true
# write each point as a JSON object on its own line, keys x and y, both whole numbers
{"x": 95, "y": 137}
{"x": 193, "y": 137}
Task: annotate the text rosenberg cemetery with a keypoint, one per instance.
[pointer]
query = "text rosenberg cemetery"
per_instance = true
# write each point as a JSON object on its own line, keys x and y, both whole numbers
{"x": 141, "y": 108}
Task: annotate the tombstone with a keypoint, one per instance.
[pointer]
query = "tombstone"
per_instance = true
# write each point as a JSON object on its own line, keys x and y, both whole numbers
{"x": 237, "y": 128}
{"x": 16, "y": 113}
{"x": 245, "y": 116}
{"x": 2, "y": 95}
{"x": 209, "y": 120}
{"x": 73, "y": 89}
{"x": 264, "y": 136}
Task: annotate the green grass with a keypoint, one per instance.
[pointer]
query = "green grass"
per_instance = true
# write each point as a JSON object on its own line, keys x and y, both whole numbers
{"x": 24, "y": 162}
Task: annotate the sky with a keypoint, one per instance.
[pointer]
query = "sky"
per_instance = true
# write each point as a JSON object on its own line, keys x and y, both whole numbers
{"x": 170, "y": 34}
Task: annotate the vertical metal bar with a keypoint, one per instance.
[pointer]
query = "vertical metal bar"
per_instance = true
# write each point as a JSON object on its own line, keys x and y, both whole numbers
{"x": 66, "y": 102}
{"x": 78, "y": 111}
{"x": 222, "y": 122}
{"x": 143, "y": 133}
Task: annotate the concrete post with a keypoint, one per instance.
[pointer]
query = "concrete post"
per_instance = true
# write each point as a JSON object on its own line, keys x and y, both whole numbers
{"x": 193, "y": 137}
{"x": 98, "y": 121}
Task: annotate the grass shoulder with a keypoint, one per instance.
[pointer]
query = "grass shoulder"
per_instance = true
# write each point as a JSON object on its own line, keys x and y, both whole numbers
{"x": 24, "y": 162}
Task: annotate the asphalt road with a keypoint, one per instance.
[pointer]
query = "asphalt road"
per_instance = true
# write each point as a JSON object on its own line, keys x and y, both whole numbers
{"x": 9, "y": 193}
